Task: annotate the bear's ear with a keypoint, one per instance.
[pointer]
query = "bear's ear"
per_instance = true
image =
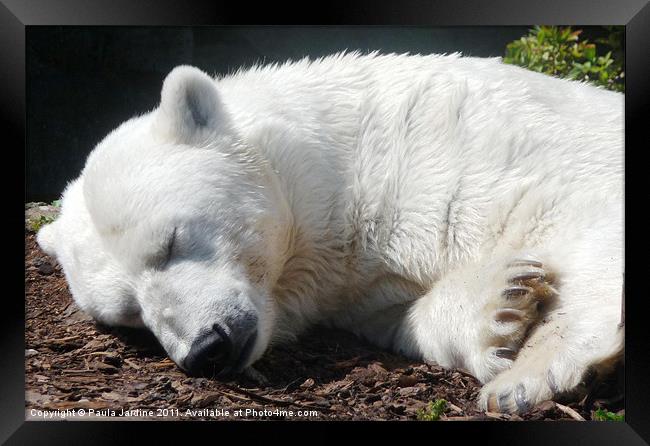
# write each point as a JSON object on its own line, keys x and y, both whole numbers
{"x": 190, "y": 108}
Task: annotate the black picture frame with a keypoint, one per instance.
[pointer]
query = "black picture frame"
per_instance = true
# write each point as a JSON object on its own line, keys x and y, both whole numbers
{"x": 16, "y": 15}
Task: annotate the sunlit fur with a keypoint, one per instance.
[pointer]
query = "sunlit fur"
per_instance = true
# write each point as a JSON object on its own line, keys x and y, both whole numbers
{"x": 383, "y": 194}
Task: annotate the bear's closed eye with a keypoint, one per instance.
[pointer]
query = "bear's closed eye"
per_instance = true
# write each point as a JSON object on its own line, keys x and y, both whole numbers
{"x": 161, "y": 259}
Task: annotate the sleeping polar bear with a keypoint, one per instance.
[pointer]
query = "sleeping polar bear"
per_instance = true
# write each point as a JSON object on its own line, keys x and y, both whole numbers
{"x": 454, "y": 209}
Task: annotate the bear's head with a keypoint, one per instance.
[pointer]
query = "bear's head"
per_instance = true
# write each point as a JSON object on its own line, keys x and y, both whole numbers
{"x": 178, "y": 226}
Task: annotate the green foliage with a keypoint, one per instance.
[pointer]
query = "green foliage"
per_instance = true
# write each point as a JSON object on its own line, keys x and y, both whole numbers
{"x": 604, "y": 415}
{"x": 35, "y": 224}
{"x": 558, "y": 51}
{"x": 433, "y": 411}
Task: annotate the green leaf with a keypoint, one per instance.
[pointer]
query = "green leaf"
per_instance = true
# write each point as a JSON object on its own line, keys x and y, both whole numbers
{"x": 574, "y": 73}
{"x": 590, "y": 51}
{"x": 574, "y": 35}
{"x": 35, "y": 224}
{"x": 560, "y": 52}
{"x": 604, "y": 415}
{"x": 433, "y": 411}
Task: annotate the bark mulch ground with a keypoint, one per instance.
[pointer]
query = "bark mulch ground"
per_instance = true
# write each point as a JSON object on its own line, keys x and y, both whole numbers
{"x": 72, "y": 363}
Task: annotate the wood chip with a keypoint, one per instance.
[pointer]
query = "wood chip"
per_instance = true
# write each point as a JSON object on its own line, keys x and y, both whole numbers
{"x": 468, "y": 418}
{"x": 132, "y": 364}
{"x": 497, "y": 416}
{"x": 570, "y": 412}
{"x": 407, "y": 380}
{"x": 164, "y": 364}
{"x": 348, "y": 363}
{"x": 308, "y": 384}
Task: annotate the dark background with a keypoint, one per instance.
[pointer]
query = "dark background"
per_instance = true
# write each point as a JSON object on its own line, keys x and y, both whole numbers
{"x": 84, "y": 81}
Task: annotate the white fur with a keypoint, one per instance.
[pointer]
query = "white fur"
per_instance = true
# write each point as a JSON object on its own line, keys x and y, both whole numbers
{"x": 384, "y": 194}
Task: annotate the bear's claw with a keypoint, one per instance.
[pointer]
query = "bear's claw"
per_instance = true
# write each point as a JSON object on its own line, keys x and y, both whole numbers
{"x": 522, "y": 401}
{"x": 516, "y": 291}
{"x": 514, "y": 308}
{"x": 526, "y": 260}
{"x": 528, "y": 289}
{"x": 509, "y": 315}
{"x": 530, "y": 274}
{"x": 505, "y": 352}
{"x": 509, "y": 402}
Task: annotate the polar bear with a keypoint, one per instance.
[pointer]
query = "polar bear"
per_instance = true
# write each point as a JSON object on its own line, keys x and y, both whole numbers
{"x": 458, "y": 210}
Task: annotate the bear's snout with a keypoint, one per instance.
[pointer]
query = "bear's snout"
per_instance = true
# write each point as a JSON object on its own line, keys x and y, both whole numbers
{"x": 210, "y": 348}
{"x": 221, "y": 350}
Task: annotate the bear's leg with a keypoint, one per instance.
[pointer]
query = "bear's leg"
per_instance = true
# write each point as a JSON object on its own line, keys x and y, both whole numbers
{"x": 531, "y": 328}
{"x": 581, "y": 336}
{"x": 562, "y": 357}
{"x": 477, "y": 317}
{"x": 578, "y": 341}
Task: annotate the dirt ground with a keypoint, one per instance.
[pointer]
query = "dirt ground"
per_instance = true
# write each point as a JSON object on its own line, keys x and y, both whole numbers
{"x": 73, "y": 363}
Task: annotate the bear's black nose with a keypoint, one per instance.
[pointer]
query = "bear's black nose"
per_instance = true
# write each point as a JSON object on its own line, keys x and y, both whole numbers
{"x": 209, "y": 353}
